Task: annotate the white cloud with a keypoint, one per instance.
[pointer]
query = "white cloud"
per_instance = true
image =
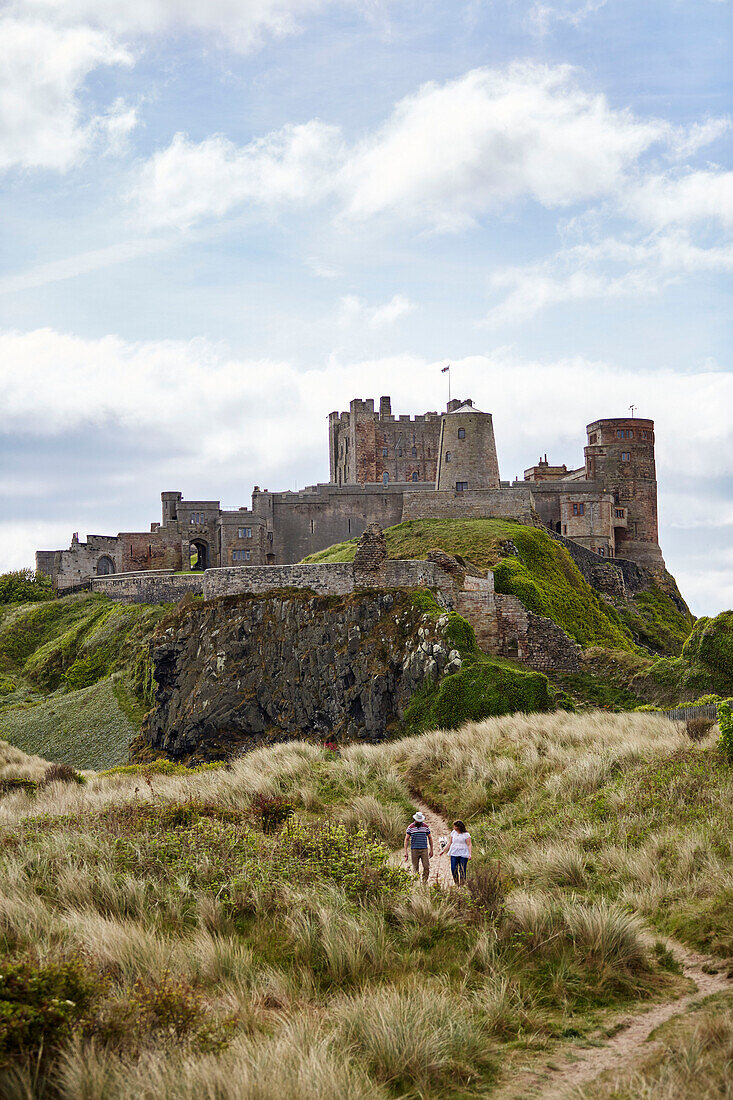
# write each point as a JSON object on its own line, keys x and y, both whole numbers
{"x": 81, "y": 264}
{"x": 609, "y": 269}
{"x": 684, "y": 200}
{"x": 541, "y": 16}
{"x": 447, "y": 155}
{"x": 452, "y": 152}
{"x": 187, "y": 182}
{"x": 239, "y": 24}
{"x": 354, "y": 311}
{"x": 42, "y": 122}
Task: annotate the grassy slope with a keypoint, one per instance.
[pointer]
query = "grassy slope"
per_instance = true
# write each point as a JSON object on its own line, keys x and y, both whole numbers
{"x": 233, "y": 956}
{"x": 57, "y": 660}
{"x": 85, "y": 728}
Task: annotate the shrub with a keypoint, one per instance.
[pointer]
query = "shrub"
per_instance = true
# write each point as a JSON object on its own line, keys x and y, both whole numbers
{"x": 487, "y": 888}
{"x": 272, "y": 811}
{"x": 11, "y": 784}
{"x": 711, "y": 643}
{"x": 40, "y": 1003}
{"x": 725, "y": 721}
{"x": 24, "y": 586}
{"x": 62, "y": 773}
{"x": 351, "y": 860}
{"x": 7, "y": 686}
{"x": 697, "y": 729}
{"x": 484, "y": 688}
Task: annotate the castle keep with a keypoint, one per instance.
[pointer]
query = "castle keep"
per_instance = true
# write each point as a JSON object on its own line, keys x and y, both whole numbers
{"x": 385, "y": 469}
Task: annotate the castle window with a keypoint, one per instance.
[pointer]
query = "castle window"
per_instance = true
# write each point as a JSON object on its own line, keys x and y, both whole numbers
{"x": 385, "y": 452}
{"x": 461, "y": 486}
{"x": 313, "y": 526}
{"x": 385, "y": 478}
{"x": 448, "y": 456}
{"x": 245, "y": 533}
{"x": 399, "y": 452}
{"x": 579, "y": 509}
{"x": 461, "y": 433}
{"x": 625, "y": 456}
{"x": 414, "y": 452}
{"x": 415, "y": 475}
{"x": 619, "y": 513}
{"x": 602, "y": 551}
{"x": 593, "y": 439}
{"x": 241, "y": 555}
{"x": 564, "y": 528}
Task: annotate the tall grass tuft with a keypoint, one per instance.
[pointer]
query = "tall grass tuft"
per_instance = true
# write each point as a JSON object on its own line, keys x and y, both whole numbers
{"x": 418, "y": 1038}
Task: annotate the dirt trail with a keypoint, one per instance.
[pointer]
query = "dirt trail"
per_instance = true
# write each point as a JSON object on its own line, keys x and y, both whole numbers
{"x": 620, "y": 1051}
{"x": 581, "y": 1064}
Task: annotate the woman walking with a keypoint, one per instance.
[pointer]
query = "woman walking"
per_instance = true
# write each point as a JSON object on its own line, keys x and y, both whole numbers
{"x": 459, "y": 851}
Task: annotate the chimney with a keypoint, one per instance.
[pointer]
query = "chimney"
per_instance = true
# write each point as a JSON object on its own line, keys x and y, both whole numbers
{"x": 385, "y": 406}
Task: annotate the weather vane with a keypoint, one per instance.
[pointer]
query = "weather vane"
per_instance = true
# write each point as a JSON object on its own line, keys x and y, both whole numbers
{"x": 633, "y": 408}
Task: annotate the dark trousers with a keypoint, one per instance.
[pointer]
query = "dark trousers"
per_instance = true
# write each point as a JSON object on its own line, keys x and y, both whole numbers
{"x": 458, "y": 866}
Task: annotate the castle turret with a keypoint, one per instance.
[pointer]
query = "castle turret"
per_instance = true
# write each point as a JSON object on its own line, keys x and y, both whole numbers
{"x": 467, "y": 454}
{"x": 620, "y": 455}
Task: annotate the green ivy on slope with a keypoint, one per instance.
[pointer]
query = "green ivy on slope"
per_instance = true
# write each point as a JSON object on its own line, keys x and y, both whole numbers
{"x": 485, "y": 687}
{"x": 547, "y": 581}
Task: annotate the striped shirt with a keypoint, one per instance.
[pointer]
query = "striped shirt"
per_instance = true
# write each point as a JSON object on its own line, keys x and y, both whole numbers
{"x": 418, "y": 835}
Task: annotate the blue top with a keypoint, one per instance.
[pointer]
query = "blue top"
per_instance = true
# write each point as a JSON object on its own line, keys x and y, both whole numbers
{"x": 418, "y": 834}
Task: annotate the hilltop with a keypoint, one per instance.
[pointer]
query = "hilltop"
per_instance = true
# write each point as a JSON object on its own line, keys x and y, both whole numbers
{"x": 242, "y": 930}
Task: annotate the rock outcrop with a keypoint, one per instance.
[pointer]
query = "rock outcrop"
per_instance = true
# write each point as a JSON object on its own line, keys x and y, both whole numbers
{"x": 245, "y": 670}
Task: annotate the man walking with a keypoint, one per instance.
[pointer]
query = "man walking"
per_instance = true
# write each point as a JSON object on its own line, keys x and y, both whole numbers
{"x": 420, "y": 841}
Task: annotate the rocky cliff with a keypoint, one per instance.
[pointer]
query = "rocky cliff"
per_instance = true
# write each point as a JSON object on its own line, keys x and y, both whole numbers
{"x": 248, "y": 669}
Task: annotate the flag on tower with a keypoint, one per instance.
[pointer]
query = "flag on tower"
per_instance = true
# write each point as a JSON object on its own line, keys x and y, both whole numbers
{"x": 444, "y": 369}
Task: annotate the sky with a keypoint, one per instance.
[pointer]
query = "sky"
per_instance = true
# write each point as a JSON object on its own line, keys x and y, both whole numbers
{"x": 222, "y": 221}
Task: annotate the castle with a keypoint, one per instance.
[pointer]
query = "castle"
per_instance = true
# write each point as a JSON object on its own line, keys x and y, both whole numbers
{"x": 387, "y": 469}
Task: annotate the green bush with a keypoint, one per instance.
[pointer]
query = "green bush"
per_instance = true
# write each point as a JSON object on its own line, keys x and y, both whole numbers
{"x": 24, "y": 586}
{"x": 7, "y": 686}
{"x": 11, "y": 784}
{"x": 484, "y": 688}
{"x": 40, "y": 1003}
{"x": 711, "y": 645}
{"x": 725, "y": 721}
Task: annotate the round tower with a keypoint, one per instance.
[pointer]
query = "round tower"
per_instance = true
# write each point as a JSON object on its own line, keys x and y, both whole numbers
{"x": 620, "y": 456}
{"x": 467, "y": 453}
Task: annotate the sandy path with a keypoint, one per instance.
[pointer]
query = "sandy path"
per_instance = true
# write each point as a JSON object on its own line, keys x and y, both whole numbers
{"x": 439, "y": 865}
{"x": 583, "y": 1064}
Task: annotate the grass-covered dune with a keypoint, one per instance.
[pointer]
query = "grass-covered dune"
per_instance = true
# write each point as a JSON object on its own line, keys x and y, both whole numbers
{"x": 529, "y": 564}
{"x": 172, "y": 934}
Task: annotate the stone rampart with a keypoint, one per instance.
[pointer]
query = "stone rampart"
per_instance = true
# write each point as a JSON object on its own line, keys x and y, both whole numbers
{"x": 152, "y": 586}
{"x": 515, "y": 504}
{"x": 328, "y": 579}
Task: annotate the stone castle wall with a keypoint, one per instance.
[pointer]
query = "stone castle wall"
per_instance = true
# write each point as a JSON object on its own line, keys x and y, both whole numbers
{"x": 328, "y": 579}
{"x": 515, "y": 503}
{"x": 150, "y": 586}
